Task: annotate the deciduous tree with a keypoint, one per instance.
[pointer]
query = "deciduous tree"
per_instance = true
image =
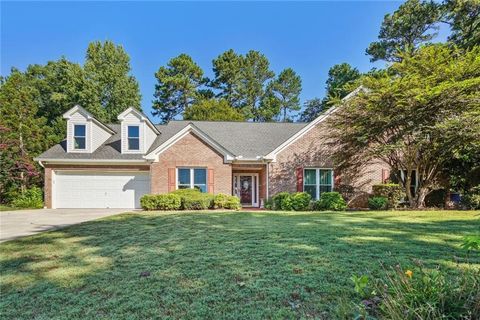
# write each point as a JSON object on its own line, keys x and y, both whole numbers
{"x": 23, "y": 134}
{"x": 415, "y": 117}
{"x": 107, "y": 67}
{"x": 212, "y": 110}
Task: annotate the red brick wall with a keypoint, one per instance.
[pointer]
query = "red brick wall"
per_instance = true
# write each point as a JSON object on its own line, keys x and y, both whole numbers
{"x": 190, "y": 151}
{"x": 311, "y": 150}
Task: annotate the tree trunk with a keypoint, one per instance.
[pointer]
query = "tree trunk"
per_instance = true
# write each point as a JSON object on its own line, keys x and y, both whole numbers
{"x": 420, "y": 197}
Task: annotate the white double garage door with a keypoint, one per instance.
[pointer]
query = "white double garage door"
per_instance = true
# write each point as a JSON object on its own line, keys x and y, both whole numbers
{"x": 96, "y": 189}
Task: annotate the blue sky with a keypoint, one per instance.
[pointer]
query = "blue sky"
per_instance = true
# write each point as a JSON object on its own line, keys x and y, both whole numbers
{"x": 309, "y": 37}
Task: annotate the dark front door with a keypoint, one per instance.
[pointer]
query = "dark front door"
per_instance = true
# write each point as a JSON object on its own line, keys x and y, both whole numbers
{"x": 246, "y": 189}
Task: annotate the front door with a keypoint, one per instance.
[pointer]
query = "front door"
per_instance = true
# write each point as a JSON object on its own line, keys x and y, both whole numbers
{"x": 245, "y": 186}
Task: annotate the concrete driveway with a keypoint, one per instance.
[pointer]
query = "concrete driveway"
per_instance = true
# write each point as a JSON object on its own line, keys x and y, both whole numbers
{"x": 19, "y": 223}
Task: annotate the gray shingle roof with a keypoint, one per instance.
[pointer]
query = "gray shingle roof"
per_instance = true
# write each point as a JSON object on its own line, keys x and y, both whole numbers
{"x": 247, "y": 139}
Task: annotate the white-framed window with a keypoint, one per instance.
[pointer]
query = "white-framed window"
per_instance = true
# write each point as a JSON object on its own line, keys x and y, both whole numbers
{"x": 317, "y": 180}
{"x": 192, "y": 178}
{"x": 79, "y": 136}
{"x": 133, "y": 137}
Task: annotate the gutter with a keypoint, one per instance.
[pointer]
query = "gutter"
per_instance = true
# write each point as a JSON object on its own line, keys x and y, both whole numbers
{"x": 90, "y": 160}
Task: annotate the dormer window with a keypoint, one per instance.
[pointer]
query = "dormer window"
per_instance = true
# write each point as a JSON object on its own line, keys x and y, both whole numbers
{"x": 133, "y": 138}
{"x": 79, "y": 136}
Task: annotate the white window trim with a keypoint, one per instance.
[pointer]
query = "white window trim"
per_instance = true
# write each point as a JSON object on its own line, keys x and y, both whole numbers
{"x": 128, "y": 137}
{"x": 317, "y": 180}
{"x": 402, "y": 176}
{"x": 192, "y": 176}
{"x": 85, "y": 137}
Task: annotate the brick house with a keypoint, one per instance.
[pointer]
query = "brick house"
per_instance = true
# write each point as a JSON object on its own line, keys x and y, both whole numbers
{"x": 112, "y": 165}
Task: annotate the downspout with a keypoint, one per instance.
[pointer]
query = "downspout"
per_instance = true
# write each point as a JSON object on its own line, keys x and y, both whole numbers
{"x": 266, "y": 180}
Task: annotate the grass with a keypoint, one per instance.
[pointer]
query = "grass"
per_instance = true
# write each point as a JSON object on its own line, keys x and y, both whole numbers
{"x": 240, "y": 265}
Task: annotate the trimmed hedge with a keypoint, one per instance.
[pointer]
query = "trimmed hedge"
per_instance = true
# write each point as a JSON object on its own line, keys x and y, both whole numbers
{"x": 225, "y": 201}
{"x": 332, "y": 201}
{"x": 167, "y": 201}
{"x": 378, "y": 203}
{"x": 391, "y": 191}
{"x": 278, "y": 201}
{"x": 193, "y": 199}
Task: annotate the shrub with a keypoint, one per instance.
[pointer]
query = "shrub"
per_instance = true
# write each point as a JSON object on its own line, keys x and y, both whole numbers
{"x": 471, "y": 200}
{"x": 193, "y": 199}
{"x": 198, "y": 201}
{"x": 391, "y": 191}
{"x": 225, "y": 201}
{"x": 378, "y": 203}
{"x": 167, "y": 201}
{"x": 148, "y": 202}
{"x": 300, "y": 201}
{"x": 269, "y": 204}
{"x": 330, "y": 201}
{"x": 233, "y": 203}
{"x": 278, "y": 199}
{"x": 436, "y": 198}
{"x": 30, "y": 198}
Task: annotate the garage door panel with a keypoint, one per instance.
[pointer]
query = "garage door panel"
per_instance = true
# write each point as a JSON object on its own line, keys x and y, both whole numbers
{"x": 100, "y": 189}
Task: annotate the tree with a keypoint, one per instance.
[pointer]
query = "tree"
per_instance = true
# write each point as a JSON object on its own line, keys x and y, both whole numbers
{"x": 414, "y": 23}
{"x": 286, "y": 90}
{"x": 340, "y": 76}
{"x": 242, "y": 80}
{"x": 212, "y": 110}
{"x": 107, "y": 67}
{"x": 415, "y": 117}
{"x": 177, "y": 87}
{"x": 60, "y": 85}
{"x": 227, "y": 68}
{"x": 463, "y": 16}
{"x": 312, "y": 109}
{"x": 23, "y": 134}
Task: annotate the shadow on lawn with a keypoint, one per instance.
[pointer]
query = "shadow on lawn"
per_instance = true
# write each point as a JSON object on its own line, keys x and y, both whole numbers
{"x": 209, "y": 265}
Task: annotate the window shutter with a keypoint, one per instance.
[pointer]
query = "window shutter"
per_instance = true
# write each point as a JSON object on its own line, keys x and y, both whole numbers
{"x": 299, "y": 179}
{"x": 211, "y": 179}
{"x": 171, "y": 179}
{"x": 385, "y": 175}
{"x": 337, "y": 178}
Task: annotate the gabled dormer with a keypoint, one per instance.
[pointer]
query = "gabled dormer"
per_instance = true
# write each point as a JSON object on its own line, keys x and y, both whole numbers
{"x": 138, "y": 132}
{"x": 84, "y": 133}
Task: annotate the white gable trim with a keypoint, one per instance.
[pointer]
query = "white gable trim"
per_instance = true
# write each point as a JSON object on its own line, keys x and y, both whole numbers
{"x": 67, "y": 115}
{"x": 140, "y": 115}
{"x": 272, "y": 155}
{"x": 190, "y": 128}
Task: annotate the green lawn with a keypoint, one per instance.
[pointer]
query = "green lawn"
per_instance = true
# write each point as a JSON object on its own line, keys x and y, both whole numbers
{"x": 241, "y": 265}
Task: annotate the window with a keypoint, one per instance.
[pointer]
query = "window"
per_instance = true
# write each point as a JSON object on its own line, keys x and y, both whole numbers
{"x": 192, "y": 178}
{"x": 413, "y": 179}
{"x": 316, "y": 181}
{"x": 79, "y": 136}
{"x": 133, "y": 138}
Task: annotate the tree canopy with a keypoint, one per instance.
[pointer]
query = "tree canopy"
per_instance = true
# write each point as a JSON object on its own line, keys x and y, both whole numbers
{"x": 340, "y": 76}
{"x": 107, "y": 68}
{"x": 212, "y": 110}
{"x": 177, "y": 87}
{"x": 414, "y": 23}
{"x": 415, "y": 117}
